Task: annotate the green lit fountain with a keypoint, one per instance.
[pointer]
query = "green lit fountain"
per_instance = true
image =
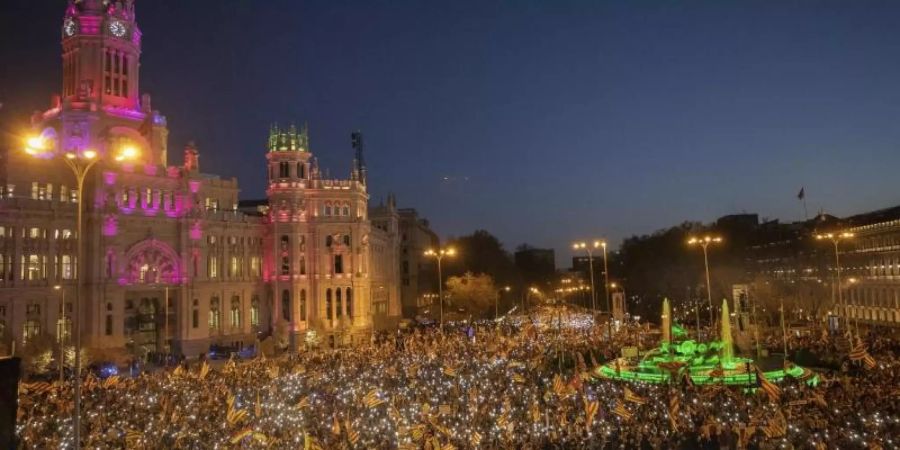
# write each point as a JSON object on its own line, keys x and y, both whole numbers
{"x": 678, "y": 357}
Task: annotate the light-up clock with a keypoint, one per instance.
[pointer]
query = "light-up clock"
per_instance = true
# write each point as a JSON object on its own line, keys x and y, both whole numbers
{"x": 70, "y": 27}
{"x": 117, "y": 28}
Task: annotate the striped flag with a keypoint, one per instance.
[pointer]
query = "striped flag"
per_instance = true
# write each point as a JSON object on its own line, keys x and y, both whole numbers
{"x": 352, "y": 434}
{"x": 771, "y": 389}
{"x": 450, "y": 371}
{"x": 621, "y": 411}
{"x": 133, "y": 438}
{"x": 303, "y": 403}
{"x": 336, "y": 427}
{"x": 371, "y": 399}
{"x": 240, "y": 435}
{"x": 475, "y": 438}
{"x": 204, "y": 370}
{"x": 590, "y": 410}
{"x": 630, "y": 396}
{"x": 309, "y": 443}
{"x": 674, "y": 407}
{"x": 518, "y": 378}
{"x": 776, "y": 427}
{"x": 111, "y": 382}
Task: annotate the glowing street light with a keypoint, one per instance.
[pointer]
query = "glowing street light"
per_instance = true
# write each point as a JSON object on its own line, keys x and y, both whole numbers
{"x": 439, "y": 255}
{"x": 81, "y": 162}
{"x": 836, "y": 238}
{"x": 497, "y": 300}
{"x": 704, "y": 242}
{"x": 589, "y": 250}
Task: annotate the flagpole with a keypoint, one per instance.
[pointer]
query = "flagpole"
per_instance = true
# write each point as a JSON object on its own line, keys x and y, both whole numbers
{"x": 783, "y": 333}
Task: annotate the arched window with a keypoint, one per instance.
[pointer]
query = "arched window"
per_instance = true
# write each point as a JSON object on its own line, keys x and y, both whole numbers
{"x": 285, "y": 255}
{"x": 328, "y": 209}
{"x": 337, "y": 299}
{"x": 346, "y": 211}
{"x": 254, "y": 311}
{"x": 303, "y": 304}
{"x": 236, "y": 311}
{"x": 286, "y": 305}
{"x": 328, "y": 303}
{"x": 349, "y": 303}
{"x": 346, "y": 238}
{"x": 214, "y": 313}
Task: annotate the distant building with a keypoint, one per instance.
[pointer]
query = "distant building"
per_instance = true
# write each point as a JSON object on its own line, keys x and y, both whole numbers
{"x": 418, "y": 280}
{"x": 537, "y": 265}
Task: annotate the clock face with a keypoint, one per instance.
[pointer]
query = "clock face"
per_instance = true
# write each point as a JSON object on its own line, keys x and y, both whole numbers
{"x": 70, "y": 27}
{"x": 117, "y": 28}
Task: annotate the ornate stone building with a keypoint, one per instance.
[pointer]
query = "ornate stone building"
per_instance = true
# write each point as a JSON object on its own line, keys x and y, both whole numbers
{"x": 169, "y": 257}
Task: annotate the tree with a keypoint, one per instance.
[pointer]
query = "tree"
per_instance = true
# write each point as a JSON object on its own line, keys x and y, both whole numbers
{"x": 474, "y": 292}
{"x": 482, "y": 253}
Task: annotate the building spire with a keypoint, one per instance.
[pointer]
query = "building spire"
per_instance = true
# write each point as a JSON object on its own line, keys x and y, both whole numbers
{"x": 359, "y": 163}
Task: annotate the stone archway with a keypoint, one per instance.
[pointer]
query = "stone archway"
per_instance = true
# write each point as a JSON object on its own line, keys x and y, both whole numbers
{"x": 152, "y": 261}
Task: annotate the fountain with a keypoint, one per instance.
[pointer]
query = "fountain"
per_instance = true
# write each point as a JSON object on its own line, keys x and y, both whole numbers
{"x": 666, "y": 324}
{"x": 712, "y": 362}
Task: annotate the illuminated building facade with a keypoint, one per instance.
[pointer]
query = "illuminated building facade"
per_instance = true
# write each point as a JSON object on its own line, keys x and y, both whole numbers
{"x": 169, "y": 257}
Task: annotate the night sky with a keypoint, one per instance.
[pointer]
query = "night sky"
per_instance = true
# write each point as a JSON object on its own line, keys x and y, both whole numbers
{"x": 541, "y": 122}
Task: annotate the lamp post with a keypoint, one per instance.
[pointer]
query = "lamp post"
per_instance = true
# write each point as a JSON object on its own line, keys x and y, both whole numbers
{"x": 836, "y": 238}
{"x": 497, "y": 300}
{"x": 590, "y": 253}
{"x": 704, "y": 243}
{"x": 61, "y": 331}
{"x": 80, "y": 161}
{"x": 439, "y": 255}
{"x": 621, "y": 287}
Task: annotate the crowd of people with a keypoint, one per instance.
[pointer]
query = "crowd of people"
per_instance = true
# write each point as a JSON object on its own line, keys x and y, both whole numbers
{"x": 529, "y": 384}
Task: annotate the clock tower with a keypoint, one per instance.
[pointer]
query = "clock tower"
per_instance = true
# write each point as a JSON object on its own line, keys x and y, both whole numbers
{"x": 101, "y": 54}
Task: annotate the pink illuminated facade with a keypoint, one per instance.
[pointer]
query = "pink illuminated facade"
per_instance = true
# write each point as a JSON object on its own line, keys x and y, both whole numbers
{"x": 170, "y": 257}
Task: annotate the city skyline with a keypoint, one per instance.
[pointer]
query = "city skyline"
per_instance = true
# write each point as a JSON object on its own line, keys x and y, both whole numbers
{"x": 704, "y": 110}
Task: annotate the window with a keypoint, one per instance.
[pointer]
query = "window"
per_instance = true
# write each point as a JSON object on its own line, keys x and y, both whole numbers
{"x": 346, "y": 211}
{"x": 338, "y": 264}
{"x": 235, "y": 267}
{"x": 303, "y": 304}
{"x": 328, "y": 210}
{"x": 109, "y": 324}
{"x": 195, "y": 316}
{"x": 329, "y": 240}
{"x": 235, "y": 312}
{"x": 214, "y": 313}
{"x": 212, "y": 266}
{"x": 349, "y": 303}
{"x": 286, "y": 305}
{"x": 34, "y": 233}
{"x": 284, "y": 170}
{"x": 63, "y": 329}
{"x": 6, "y": 270}
{"x": 31, "y": 330}
{"x": 33, "y": 267}
{"x": 254, "y": 266}
{"x": 67, "y": 270}
{"x": 301, "y": 170}
{"x": 34, "y": 190}
{"x": 302, "y": 265}
{"x": 346, "y": 238}
{"x": 339, "y": 307}
{"x": 328, "y": 312}
{"x": 254, "y": 311}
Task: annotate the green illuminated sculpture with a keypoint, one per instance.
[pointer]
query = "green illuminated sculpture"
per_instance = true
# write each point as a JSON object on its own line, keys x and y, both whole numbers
{"x": 678, "y": 358}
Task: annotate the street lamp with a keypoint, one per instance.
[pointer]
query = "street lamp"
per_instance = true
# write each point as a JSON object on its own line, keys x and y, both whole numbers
{"x": 704, "y": 243}
{"x": 439, "y": 255}
{"x": 589, "y": 249}
{"x": 497, "y": 300}
{"x": 835, "y": 238}
{"x": 621, "y": 287}
{"x": 61, "y": 331}
{"x": 80, "y": 161}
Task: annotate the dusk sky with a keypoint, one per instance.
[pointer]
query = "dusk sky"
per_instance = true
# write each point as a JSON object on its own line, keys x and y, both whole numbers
{"x": 541, "y": 122}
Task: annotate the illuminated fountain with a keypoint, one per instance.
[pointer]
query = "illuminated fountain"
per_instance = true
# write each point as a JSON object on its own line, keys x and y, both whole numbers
{"x": 704, "y": 362}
